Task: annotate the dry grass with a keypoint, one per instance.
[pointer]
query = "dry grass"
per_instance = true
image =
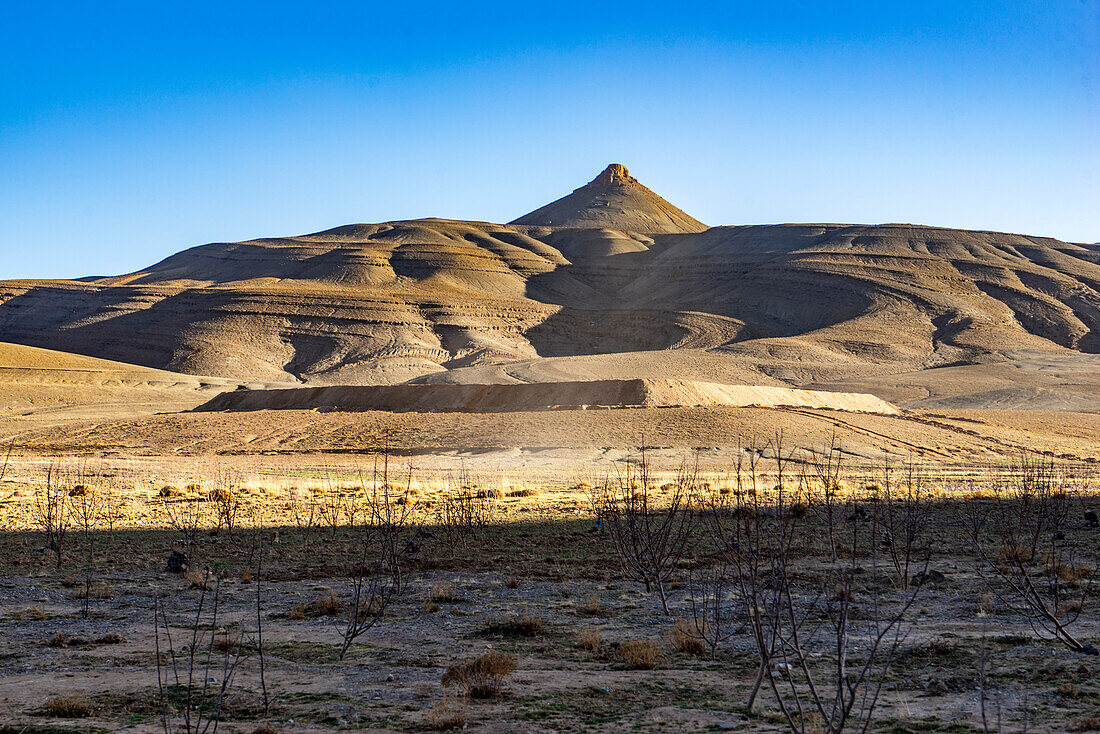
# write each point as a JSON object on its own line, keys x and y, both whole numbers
{"x": 325, "y": 605}
{"x": 74, "y": 706}
{"x": 31, "y": 614}
{"x": 590, "y": 638}
{"x": 94, "y": 592}
{"x": 519, "y": 625}
{"x": 443, "y": 593}
{"x": 639, "y": 654}
{"x": 448, "y": 712}
{"x": 481, "y": 677}
{"x": 1014, "y": 553}
{"x": 684, "y": 638}
{"x": 199, "y": 579}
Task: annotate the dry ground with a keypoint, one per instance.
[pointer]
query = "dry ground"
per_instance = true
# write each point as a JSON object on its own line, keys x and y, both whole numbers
{"x": 539, "y": 557}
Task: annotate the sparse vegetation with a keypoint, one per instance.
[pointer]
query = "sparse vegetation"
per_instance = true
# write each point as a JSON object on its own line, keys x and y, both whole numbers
{"x": 481, "y": 677}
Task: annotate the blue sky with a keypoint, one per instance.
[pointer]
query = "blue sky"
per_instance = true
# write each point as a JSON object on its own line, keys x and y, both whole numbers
{"x": 129, "y": 131}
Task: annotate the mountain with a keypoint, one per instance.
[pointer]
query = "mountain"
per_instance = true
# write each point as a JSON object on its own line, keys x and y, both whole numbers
{"x": 580, "y": 290}
{"x": 614, "y": 200}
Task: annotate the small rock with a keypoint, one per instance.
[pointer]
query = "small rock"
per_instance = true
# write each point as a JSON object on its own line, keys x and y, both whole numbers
{"x": 177, "y": 562}
{"x": 726, "y": 725}
{"x": 1090, "y": 650}
{"x": 389, "y": 677}
{"x": 931, "y": 576}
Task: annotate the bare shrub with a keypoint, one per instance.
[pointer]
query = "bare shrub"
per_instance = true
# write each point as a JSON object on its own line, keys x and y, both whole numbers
{"x": 639, "y": 654}
{"x": 1025, "y": 560}
{"x": 188, "y": 695}
{"x": 481, "y": 677}
{"x": 462, "y": 517}
{"x": 50, "y": 512}
{"x": 649, "y": 536}
{"x": 803, "y": 625}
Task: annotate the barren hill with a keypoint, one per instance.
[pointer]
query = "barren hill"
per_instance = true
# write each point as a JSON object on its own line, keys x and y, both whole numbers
{"x": 614, "y": 200}
{"x": 599, "y": 286}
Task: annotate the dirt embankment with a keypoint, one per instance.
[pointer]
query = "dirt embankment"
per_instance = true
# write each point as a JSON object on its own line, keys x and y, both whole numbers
{"x": 540, "y": 396}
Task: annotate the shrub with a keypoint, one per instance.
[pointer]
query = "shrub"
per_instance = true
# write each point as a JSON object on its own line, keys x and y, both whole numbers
{"x": 326, "y": 605}
{"x": 525, "y": 492}
{"x": 220, "y": 495}
{"x": 511, "y": 582}
{"x": 1014, "y": 553}
{"x": 639, "y": 654}
{"x": 199, "y": 579}
{"x": 590, "y": 638}
{"x": 75, "y": 706}
{"x": 521, "y": 625}
{"x": 592, "y": 604}
{"x": 169, "y": 491}
{"x": 686, "y": 639}
{"x": 481, "y": 677}
{"x": 443, "y": 592}
{"x": 79, "y": 490}
{"x": 448, "y": 712}
{"x": 194, "y": 488}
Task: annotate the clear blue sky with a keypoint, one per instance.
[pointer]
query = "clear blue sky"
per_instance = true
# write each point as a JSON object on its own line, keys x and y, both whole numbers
{"x": 131, "y": 130}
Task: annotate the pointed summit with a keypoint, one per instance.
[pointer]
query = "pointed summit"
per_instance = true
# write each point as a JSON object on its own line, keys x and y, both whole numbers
{"x": 614, "y": 200}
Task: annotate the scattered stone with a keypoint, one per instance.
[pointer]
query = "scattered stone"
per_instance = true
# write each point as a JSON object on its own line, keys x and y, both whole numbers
{"x": 931, "y": 576}
{"x": 177, "y": 562}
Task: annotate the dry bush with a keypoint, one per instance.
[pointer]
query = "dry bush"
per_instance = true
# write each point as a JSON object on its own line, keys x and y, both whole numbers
{"x": 592, "y": 605}
{"x": 684, "y": 638}
{"x": 590, "y": 638}
{"x": 448, "y": 712}
{"x": 199, "y": 579}
{"x": 639, "y": 654}
{"x": 519, "y": 625}
{"x": 443, "y": 592}
{"x": 194, "y": 488}
{"x": 511, "y": 582}
{"x": 325, "y": 605}
{"x": 37, "y": 613}
{"x": 1088, "y": 723}
{"x": 74, "y": 706}
{"x": 170, "y": 491}
{"x": 525, "y": 492}
{"x": 481, "y": 677}
{"x": 93, "y": 592}
{"x": 1013, "y": 553}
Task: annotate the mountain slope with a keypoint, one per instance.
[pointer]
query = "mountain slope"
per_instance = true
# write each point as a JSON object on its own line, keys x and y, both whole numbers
{"x": 450, "y": 301}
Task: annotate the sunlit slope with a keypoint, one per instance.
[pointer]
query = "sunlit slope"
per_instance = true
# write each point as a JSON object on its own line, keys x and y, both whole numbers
{"x": 457, "y": 301}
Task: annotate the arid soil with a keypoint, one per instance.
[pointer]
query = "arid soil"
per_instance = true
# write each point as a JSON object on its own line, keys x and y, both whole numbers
{"x": 539, "y": 562}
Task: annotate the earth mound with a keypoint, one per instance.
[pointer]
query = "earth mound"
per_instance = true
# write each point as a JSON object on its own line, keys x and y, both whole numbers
{"x": 427, "y": 398}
